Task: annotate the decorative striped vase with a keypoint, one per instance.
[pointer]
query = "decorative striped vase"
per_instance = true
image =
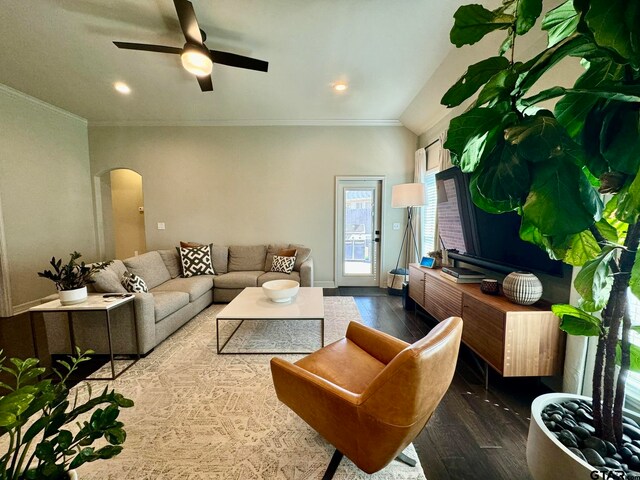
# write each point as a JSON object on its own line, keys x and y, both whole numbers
{"x": 523, "y": 288}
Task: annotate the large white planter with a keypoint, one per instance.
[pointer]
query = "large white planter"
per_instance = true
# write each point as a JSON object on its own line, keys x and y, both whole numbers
{"x": 73, "y": 475}
{"x": 71, "y": 297}
{"x": 547, "y": 458}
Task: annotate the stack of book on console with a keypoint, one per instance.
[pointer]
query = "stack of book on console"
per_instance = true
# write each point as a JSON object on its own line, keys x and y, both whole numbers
{"x": 461, "y": 275}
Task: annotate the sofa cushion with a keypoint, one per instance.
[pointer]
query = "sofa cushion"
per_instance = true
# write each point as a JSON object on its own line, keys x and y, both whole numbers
{"x": 194, "y": 286}
{"x": 220, "y": 258}
{"x": 303, "y": 253}
{"x": 267, "y": 277}
{"x": 107, "y": 280}
{"x": 150, "y": 267}
{"x": 196, "y": 261}
{"x": 274, "y": 249}
{"x": 283, "y": 264}
{"x": 171, "y": 260}
{"x": 246, "y": 258}
{"x": 237, "y": 279}
{"x": 166, "y": 303}
{"x": 134, "y": 283}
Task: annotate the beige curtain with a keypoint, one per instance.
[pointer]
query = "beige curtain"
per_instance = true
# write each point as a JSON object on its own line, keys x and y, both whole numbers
{"x": 444, "y": 155}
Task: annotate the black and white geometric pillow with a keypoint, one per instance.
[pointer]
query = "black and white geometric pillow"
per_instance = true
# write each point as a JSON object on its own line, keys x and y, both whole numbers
{"x": 283, "y": 264}
{"x": 196, "y": 261}
{"x": 133, "y": 283}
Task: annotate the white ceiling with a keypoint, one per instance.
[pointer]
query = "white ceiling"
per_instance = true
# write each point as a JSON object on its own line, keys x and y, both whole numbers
{"x": 60, "y": 51}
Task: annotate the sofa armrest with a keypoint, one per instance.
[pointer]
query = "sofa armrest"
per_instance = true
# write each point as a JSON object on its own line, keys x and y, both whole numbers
{"x": 306, "y": 273}
{"x": 143, "y": 304}
{"x": 377, "y": 344}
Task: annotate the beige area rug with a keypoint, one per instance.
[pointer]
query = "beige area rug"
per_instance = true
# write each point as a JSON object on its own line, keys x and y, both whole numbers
{"x": 199, "y": 415}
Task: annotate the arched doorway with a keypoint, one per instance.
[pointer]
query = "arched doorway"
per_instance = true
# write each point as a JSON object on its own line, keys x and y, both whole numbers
{"x": 122, "y": 210}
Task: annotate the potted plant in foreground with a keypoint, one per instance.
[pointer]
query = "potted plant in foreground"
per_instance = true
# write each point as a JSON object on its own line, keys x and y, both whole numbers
{"x": 572, "y": 175}
{"x": 72, "y": 278}
{"x": 46, "y": 437}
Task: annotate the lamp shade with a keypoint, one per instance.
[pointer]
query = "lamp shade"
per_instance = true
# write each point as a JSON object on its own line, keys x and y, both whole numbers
{"x": 407, "y": 195}
{"x": 196, "y": 60}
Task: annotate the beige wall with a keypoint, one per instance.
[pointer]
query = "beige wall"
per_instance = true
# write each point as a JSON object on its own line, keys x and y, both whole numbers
{"x": 128, "y": 221}
{"x": 251, "y": 185}
{"x": 45, "y": 191}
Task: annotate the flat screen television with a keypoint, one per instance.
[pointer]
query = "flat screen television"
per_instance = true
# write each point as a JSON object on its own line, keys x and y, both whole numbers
{"x": 492, "y": 241}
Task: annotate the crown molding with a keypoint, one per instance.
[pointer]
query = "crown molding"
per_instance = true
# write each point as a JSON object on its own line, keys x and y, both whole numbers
{"x": 13, "y": 93}
{"x": 247, "y": 123}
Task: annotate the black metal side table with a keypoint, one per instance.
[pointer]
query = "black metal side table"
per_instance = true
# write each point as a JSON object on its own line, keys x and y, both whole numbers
{"x": 94, "y": 303}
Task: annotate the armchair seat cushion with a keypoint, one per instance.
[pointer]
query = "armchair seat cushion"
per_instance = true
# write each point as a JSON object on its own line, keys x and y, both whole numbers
{"x": 267, "y": 277}
{"x": 345, "y": 364}
{"x": 166, "y": 303}
{"x": 237, "y": 279}
{"x": 194, "y": 286}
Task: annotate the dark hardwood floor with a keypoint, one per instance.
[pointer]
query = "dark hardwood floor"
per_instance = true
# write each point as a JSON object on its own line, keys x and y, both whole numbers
{"x": 474, "y": 433}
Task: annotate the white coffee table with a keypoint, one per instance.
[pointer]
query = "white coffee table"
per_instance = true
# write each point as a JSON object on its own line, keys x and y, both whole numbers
{"x": 252, "y": 304}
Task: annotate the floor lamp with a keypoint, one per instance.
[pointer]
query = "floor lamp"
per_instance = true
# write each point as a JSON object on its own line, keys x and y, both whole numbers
{"x": 407, "y": 195}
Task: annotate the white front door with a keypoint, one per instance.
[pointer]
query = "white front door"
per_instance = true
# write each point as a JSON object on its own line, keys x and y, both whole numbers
{"x": 358, "y": 203}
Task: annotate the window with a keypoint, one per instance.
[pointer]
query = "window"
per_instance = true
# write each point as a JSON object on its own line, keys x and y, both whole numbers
{"x": 429, "y": 241}
{"x": 632, "y": 400}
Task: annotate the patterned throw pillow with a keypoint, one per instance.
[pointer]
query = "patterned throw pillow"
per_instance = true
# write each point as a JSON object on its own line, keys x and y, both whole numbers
{"x": 196, "y": 261}
{"x": 133, "y": 283}
{"x": 283, "y": 264}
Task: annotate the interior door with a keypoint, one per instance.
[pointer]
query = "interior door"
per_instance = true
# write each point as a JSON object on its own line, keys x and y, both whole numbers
{"x": 358, "y": 203}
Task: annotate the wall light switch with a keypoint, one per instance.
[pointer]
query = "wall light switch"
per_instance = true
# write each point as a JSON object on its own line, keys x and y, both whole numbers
{"x": 161, "y": 226}
{"x": 396, "y": 226}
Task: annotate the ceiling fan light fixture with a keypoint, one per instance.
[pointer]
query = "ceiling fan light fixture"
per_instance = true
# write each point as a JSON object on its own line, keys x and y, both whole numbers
{"x": 340, "y": 86}
{"x": 196, "y": 60}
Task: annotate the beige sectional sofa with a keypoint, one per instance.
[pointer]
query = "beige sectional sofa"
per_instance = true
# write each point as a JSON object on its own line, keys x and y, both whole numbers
{"x": 172, "y": 300}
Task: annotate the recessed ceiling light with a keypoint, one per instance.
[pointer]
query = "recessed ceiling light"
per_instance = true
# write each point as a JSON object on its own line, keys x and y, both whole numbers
{"x": 122, "y": 87}
{"x": 340, "y": 86}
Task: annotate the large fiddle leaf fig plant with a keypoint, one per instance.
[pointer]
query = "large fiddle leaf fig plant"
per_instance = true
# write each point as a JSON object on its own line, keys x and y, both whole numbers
{"x": 570, "y": 172}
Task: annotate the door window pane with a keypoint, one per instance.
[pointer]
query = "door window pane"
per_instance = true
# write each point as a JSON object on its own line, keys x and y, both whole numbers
{"x": 358, "y": 230}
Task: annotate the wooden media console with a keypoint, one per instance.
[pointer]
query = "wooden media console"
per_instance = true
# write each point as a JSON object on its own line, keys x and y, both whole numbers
{"x": 515, "y": 340}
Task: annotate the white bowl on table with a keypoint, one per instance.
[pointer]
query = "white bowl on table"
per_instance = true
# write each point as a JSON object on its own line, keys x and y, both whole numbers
{"x": 280, "y": 291}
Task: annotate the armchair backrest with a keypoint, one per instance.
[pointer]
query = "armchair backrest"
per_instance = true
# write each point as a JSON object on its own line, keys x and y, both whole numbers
{"x": 411, "y": 386}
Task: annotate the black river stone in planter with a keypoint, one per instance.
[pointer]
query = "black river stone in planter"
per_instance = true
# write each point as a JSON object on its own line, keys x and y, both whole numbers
{"x": 572, "y": 424}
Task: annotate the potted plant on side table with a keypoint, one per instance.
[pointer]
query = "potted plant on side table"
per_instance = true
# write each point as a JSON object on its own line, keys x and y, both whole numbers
{"x": 573, "y": 176}
{"x": 72, "y": 278}
{"x": 50, "y": 435}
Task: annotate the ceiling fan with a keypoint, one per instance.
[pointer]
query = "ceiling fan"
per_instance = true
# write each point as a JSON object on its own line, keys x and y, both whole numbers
{"x": 196, "y": 57}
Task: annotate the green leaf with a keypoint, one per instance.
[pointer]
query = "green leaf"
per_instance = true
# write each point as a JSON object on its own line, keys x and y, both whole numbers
{"x": 634, "y": 354}
{"x": 634, "y": 282}
{"x": 619, "y": 93}
{"x": 527, "y": 12}
{"x": 555, "y": 247}
{"x": 473, "y": 22}
{"x": 7, "y": 419}
{"x": 583, "y": 247}
{"x": 45, "y": 452}
{"x": 474, "y": 78}
{"x": 65, "y": 438}
{"x": 472, "y": 135}
{"x": 577, "y": 322}
{"x": 115, "y": 436}
{"x": 571, "y": 112}
{"x": 628, "y": 209}
{"x": 35, "y": 429}
{"x": 620, "y": 138}
{"x": 561, "y": 22}
{"x": 594, "y": 281}
{"x": 612, "y": 28}
{"x": 575, "y": 45}
{"x": 538, "y": 138}
{"x": 504, "y": 177}
{"x": 500, "y": 86}
{"x": 556, "y": 203}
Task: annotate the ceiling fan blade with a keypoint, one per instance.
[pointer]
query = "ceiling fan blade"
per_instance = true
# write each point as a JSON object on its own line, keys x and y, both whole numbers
{"x": 148, "y": 48}
{"x": 188, "y": 21}
{"x": 233, "y": 60}
{"x": 206, "y": 83}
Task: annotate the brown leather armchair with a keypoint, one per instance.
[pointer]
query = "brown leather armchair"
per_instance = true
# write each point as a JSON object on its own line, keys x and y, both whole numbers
{"x": 370, "y": 394}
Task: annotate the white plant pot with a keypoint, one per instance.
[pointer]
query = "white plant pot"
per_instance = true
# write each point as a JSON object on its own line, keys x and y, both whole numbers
{"x": 71, "y": 297}
{"x": 73, "y": 475}
{"x": 547, "y": 458}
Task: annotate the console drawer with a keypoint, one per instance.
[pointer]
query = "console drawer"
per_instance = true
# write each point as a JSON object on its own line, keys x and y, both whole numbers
{"x": 441, "y": 299}
{"x": 483, "y": 331}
